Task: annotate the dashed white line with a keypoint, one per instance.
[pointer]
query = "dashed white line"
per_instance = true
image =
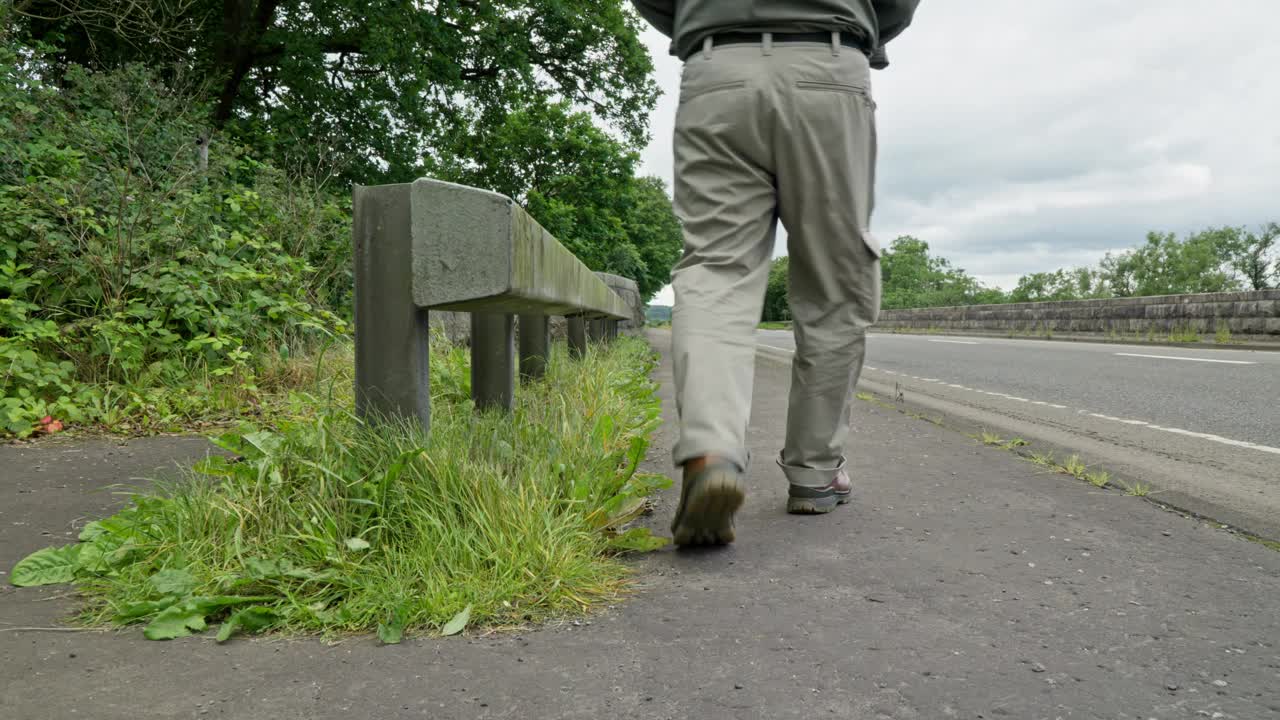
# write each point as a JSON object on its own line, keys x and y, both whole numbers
{"x": 1191, "y": 359}
{"x": 1191, "y": 433}
{"x": 957, "y": 342}
{"x": 1178, "y": 431}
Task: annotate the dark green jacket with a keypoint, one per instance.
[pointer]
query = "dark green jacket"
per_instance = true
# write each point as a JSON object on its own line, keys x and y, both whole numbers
{"x": 687, "y": 22}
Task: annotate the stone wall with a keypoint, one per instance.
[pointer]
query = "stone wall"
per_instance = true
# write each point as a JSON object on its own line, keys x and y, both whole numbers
{"x": 1254, "y": 314}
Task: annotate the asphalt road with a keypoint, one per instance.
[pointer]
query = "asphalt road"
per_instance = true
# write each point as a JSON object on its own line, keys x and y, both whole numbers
{"x": 1203, "y": 425}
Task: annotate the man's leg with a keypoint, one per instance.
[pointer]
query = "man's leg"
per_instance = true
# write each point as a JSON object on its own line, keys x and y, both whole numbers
{"x": 724, "y": 197}
{"x": 825, "y": 196}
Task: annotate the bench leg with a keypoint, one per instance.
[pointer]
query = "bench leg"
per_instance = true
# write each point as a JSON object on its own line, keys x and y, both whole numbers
{"x": 577, "y": 336}
{"x": 392, "y": 335}
{"x": 493, "y": 360}
{"x": 535, "y": 345}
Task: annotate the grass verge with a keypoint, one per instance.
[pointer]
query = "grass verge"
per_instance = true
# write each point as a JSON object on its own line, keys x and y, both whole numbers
{"x": 326, "y": 524}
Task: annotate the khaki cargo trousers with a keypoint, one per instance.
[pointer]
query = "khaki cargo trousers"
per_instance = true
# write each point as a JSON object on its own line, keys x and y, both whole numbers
{"x": 764, "y": 133}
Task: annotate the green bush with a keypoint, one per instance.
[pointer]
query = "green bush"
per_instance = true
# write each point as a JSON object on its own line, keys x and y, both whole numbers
{"x": 135, "y": 287}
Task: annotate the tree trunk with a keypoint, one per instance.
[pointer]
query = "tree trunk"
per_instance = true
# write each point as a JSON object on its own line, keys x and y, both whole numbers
{"x": 243, "y": 31}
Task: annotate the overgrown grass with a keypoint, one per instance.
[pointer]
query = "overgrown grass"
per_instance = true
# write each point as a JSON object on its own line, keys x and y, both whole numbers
{"x": 775, "y": 325}
{"x": 327, "y": 524}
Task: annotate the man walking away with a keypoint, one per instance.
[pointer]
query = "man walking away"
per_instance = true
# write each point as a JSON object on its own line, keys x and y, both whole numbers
{"x": 776, "y": 122}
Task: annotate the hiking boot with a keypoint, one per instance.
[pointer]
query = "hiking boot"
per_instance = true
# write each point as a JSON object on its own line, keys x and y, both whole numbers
{"x": 708, "y": 500}
{"x": 803, "y": 500}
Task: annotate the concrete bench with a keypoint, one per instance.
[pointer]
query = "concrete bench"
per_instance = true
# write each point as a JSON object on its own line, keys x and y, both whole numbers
{"x": 434, "y": 245}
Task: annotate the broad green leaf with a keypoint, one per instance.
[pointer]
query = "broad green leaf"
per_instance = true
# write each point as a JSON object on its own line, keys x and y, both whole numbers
{"x": 268, "y": 443}
{"x": 621, "y": 509}
{"x": 212, "y": 603}
{"x": 133, "y": 611}
{"x": 458, "y": 623}
{"x": 357, "y": 544}
{"x": 92, "y": 530}
{"x": 93, "y": 558}
{"x": 257, "y": 618}
{"x": 392, "y": 631}
{"x": 180, "y": 619}
{"x": 251, "y": 619}
{"x": 305, "y": 574}
{"x": 262, "y": 568}
{"x": 227, "y": 627}
{"x": 637, "y": 540}
{"x": 50, "y": 566}
{"x": 177, "y": 582}
{"x": 175, "y": 622}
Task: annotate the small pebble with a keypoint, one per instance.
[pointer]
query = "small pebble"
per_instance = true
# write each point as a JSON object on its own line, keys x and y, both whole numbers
{"x": 1220, "y": 683}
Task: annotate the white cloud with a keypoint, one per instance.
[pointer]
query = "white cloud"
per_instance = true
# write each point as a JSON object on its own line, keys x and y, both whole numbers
{"x": 1018, "y": 137}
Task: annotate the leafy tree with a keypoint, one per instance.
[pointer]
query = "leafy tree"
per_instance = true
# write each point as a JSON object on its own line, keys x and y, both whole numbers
{"x": 912, "y": 277}
{"x": 776, "y": 305}
{"x": 1074, "y": 284}
{"x": 368, "y": 85}
{"x": 653, "y": 230}
{"x": 1254, "y": 256}
{"x": 1165, "y": 265}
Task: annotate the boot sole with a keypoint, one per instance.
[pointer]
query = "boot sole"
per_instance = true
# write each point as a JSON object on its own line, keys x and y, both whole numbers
{"x": 708, "y": 511}
{"x": 816, "y": 506}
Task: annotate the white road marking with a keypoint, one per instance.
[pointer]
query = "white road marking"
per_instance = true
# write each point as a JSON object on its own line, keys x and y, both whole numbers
{"x": 1191, "y": 433}
{"x": 957, "y": 342}
{"x": 1219, "y": 439}
{"x": 1177, "y": 431}
{"x": 1178, "y": 357}
{"x": 1121, "y": 420}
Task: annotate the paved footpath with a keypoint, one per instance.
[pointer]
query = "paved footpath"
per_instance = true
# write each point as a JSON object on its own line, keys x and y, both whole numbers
{"x": 962, "y": 583}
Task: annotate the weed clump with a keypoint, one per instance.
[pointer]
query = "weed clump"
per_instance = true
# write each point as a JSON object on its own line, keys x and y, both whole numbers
{"x": 331, "y": 524}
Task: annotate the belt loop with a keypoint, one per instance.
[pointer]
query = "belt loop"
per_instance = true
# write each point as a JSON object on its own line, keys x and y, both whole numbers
{"x": 707, "y": 44}
{"x": 835, "y": 43}
{"x": 766, "y": 44}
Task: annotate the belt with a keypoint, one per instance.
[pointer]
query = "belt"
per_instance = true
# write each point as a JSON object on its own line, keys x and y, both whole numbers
{"x": 847, "y": 39}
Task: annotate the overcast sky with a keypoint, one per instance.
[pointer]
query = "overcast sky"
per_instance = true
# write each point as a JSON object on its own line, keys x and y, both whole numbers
{"x": 1020, "y": 136}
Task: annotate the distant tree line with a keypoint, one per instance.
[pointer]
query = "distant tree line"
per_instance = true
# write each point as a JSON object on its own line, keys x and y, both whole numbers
{"x": 1213, "y": 260}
